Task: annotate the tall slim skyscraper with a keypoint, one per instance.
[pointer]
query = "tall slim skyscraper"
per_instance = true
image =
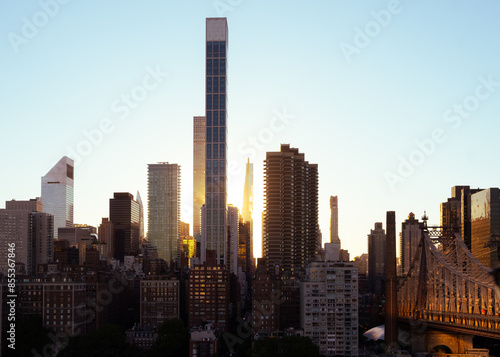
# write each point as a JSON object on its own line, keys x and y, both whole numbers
{"x": 334, "y": 219}
{"x": 334, "y": 228}
{"x": 247, "y": 209}
{"x": 247, "y": 218}
{"x": 164, "y": 210}
{"x": 124, "y": 216}
{"x": 141, "y": 217}
{"x": 233, "y": 238}
{"x": 290, "y": 218}
{"x": 199, "y": 134}
{"x": 376, "y": 259}
{"x": 215, "y": 231}
{"x": 391, "y": 295}
{"x": 58, "y": 194}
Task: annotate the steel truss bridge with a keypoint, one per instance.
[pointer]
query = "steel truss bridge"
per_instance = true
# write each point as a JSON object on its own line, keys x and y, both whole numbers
{"x": 448, "y": 288}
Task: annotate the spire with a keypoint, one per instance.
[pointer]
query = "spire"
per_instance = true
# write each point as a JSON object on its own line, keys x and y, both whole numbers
{"x": 247, "y": 209}
{"x": 334, "y": 220}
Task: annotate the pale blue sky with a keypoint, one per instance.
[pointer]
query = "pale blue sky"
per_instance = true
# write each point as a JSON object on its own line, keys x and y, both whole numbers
{"x": 353, "y": 118}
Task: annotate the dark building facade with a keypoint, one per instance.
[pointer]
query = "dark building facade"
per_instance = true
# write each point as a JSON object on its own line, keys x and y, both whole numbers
{"x": 265, "y": 301}
{"x": 124, "y": 215}
{"x": 376, "y": 259}
{"x": 290, "y": 218}
{"x": 60, "y": 301}
{"x": 245, "y": 249}
{"x": 159, "y": 301}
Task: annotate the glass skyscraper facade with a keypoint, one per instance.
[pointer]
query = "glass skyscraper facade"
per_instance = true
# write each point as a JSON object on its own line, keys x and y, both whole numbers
{"x": 199, "y": 132}
{"x": 164, "y": 210}
{"x": 485, "y": 226}
{"x": 214, "y": 225}
{"x": 58, "y": 194}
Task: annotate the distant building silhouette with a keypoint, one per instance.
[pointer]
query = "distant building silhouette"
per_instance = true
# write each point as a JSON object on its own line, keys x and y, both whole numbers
{"x": 106, "y": 235}
{"x": 124, "y": 215}
{"x": 376, "y": 259}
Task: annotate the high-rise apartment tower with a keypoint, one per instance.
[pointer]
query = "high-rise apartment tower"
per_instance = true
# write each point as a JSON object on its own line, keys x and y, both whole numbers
{"x": 290, "y": 217}
{"x": 214, "y": 227}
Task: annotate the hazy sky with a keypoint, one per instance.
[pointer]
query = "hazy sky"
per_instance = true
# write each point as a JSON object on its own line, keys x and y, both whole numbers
{"x": 396, "y": 101}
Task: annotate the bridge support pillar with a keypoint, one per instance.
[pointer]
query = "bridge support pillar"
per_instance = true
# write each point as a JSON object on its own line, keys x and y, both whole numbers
{"x": 430, "y": 339}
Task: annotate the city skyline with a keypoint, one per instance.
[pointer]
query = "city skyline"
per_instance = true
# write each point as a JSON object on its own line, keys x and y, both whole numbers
{"x": 399, "y": 115}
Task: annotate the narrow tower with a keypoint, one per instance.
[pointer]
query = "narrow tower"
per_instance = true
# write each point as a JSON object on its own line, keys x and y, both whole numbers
{"x": 214, "y": 232}
{"x": 141, "y": 217}
{"x": 334, "y": 228}
{"x": 247, "y": 218}
{"x": 391, "y": 303}
{"x": 199, "y": 129}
